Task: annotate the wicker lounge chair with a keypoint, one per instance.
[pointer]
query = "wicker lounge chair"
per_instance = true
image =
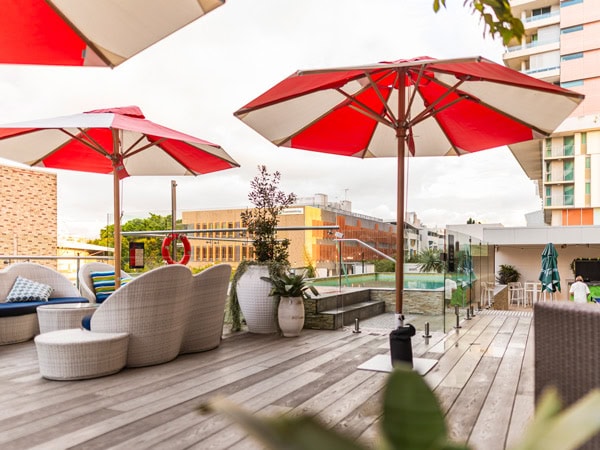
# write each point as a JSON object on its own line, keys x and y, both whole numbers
{"x": 566, "y": 352}
{"x": 86, "y": 285}
{"x": 208, "y": 295}
{"x": 16, "y": 327}
{"x": 153, "y": 310}
{"x": 154, "y": 317}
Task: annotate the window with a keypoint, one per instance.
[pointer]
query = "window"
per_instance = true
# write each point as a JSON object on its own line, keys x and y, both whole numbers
{"x": 548, "y": 147}
{"x": 568, "y": 196}
{"x": 568, "y": 145}
{"x": 588, "y": 162}
{"x": 588, "y": 188}
{"x": 540, "y": 11}
{"x": 570, "y": 84}
{"x": 548, "y": 171}
{"x": 568, "y": 171}
{"x": 548, "y": 196}
{"x": 571, "y": 56}
{"x": 571, "y": 29}
{"x": 583, "y": 138}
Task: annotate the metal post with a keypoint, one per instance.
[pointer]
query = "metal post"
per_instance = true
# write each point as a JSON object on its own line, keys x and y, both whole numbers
{"x": 356, "y": 326}
{"x": 174, "y": 217}
{"x": 457, "y": 317}
{"x": 427, "y": 335}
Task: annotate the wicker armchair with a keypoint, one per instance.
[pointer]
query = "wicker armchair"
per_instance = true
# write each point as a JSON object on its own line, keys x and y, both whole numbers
{"x": 86, "y": 286}
{"x": 153, "y": 310}
{"x": 208, "y": 295}
{"x": 566, "y": 351}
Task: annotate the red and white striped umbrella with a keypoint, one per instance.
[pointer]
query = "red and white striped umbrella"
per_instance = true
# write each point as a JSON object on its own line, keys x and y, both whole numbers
{"x": 120, "y": 141}
{"x": 432, "y": 107}
{"x": 90, "y": 32}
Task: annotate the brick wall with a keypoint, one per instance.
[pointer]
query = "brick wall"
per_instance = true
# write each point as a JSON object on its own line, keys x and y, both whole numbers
{"x": 28, "y": 212}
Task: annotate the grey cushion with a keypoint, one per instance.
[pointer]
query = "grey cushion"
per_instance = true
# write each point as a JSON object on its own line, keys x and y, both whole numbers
{"x": 25, "y": 290}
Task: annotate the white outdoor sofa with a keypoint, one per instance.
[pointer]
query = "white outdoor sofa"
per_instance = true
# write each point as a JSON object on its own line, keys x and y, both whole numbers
{"x": 18, "y": 321}
{"x": 150, "y": 320}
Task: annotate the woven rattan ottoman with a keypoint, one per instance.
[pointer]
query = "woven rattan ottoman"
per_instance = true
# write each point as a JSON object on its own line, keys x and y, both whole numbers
{"x": 79, "y": 354}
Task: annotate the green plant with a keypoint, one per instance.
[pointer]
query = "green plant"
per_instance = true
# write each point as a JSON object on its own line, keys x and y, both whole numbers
{"x": 288, "y": 284}
{"x": 261, "y": 221}
{"x": 412, "y": 419}
{"x": 384, "y": 265}
{"x": 430, "y": 260}
{"x": 269, "y": 201}
{"x": 507, "y": 274}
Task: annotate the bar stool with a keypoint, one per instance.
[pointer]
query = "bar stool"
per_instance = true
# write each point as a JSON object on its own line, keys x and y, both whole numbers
{"x": 487, "y": 294}
{"x": 516, "y": 293}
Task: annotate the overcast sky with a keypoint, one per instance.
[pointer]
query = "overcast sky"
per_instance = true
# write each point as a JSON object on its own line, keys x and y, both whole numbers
{"x": 195, "y": 79}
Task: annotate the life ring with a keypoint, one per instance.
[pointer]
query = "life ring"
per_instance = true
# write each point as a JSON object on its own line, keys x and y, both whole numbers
{"x": 165, "y": 249}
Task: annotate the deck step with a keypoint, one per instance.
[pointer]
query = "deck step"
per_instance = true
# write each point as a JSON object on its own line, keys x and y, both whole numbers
{"x": 333, "y": 319}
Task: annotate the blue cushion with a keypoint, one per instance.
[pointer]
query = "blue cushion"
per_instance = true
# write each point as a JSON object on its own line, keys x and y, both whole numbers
{"x": 23, "y": 308}
{"x": 86, "y": 322}
{"x": 25, "y": 290}
{"x": 104, "y": 283}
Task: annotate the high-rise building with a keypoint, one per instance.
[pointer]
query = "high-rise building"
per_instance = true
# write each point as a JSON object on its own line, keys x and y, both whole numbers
{"x": 561, "y": 45}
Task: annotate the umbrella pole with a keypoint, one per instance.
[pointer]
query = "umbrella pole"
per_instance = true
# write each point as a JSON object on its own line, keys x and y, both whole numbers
{"x": 117, "y": 229}
{"x": 116, "y": 211}
{"x": 400, "y": 338}
{"x": 400, "y": 133}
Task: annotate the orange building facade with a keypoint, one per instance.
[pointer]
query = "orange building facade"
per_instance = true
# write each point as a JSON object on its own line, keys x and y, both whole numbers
{"x": 308, "y": 247}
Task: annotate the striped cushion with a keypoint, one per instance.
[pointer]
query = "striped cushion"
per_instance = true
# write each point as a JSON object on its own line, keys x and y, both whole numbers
{"x": 104, "y": 284}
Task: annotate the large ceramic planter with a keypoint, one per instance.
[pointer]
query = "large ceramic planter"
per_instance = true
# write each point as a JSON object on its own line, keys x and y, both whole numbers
{"x": 291, "y": 315}
{"x": 258, "y": 307}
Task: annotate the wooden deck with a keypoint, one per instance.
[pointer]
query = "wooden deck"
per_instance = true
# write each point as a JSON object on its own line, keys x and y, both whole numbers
{"x": 483, "y": 378}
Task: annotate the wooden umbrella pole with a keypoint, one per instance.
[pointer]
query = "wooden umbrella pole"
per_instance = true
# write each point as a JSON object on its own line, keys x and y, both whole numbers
{"x": 116, "y": 209}
{"x": 400, "y": 134}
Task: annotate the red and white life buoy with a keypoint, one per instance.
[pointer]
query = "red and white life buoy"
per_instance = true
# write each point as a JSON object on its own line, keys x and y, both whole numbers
{"x": 165, "y": 249}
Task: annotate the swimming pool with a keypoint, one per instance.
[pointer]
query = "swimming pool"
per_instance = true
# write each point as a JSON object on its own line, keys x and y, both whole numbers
{"x": 421, "y": 282}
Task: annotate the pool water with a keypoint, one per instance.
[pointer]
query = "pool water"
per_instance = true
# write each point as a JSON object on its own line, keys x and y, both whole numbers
{"x": 428, "y": 282}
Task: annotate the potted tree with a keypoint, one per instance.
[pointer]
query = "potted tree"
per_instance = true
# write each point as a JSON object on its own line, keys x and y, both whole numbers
{"x": 250, "y": 290}
{"x": 291, "y": 289}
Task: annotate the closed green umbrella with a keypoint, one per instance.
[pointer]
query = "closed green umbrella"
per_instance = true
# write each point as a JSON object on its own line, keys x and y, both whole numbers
{"x": 549, "y": 275}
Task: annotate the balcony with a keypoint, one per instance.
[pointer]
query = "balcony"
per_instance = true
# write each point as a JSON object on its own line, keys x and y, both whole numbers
{"x": 567, "y": 151}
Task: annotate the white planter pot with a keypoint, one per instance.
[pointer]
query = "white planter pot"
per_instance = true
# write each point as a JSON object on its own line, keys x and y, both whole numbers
{"x": 291, "y": 315}
{"x": 257, "y": 306}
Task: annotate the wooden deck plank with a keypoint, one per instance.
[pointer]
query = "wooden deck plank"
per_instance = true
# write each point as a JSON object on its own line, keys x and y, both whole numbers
{"x": 156, "y": 407}
{"x": 491, "y": 428}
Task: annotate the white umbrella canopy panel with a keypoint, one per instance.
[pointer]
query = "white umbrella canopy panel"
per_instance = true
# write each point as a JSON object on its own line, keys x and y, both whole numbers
{"x": 90, "y": 32}
{"x": 117, "y": 141}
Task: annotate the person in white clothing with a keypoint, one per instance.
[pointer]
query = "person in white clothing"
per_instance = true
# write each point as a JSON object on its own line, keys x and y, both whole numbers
{"x": 580, "y": 290}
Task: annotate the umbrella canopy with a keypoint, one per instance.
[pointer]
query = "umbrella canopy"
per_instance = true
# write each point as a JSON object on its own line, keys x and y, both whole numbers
{"x": 90, "y": 32}
{"x": 549, "y": 275}
{"x": 432, "y": 107}
{"x": 118, "y": 141}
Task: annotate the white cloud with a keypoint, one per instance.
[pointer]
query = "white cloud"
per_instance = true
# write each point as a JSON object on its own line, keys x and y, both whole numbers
{"x": 194, "y": 80}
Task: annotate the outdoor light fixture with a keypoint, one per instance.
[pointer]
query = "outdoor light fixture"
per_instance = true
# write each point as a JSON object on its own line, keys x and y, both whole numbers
{"x": 339, "y": 235}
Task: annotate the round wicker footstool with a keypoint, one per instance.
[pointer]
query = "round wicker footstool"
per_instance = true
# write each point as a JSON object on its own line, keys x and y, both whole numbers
{"x": 79, "y": 354}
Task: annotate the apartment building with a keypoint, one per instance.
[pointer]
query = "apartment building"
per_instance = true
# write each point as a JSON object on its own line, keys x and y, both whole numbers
{"x": 561, "y": 45}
